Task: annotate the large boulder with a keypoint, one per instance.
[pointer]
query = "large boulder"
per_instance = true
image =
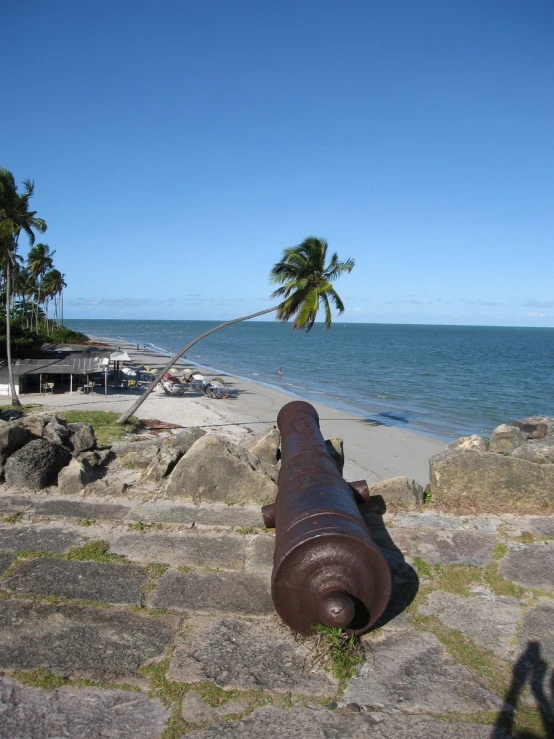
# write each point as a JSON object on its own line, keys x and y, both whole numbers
{"x": 540, "y": 452}
{"x": 266, "y": 446}
{"x": 401, "y": 491}
{"x": 215, "y": 469}
{"x": 490, "y": 481}
{"x": 170, "y": 452}
{"x": 12, "y": 438}
{"x": 335, "y": 447}
{"x": 36, "y": 465}
{"x": 73, "y": 478}
{"x": 505, "y": 439}
{"x": 82, "y": 437}
{"x": 469, "y": 442}
{"x": 57, "y": 433}
{"x": 136, "y": 454}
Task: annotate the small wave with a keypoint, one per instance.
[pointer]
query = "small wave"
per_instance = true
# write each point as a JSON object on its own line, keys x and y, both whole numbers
{"x": 381, "y": 396}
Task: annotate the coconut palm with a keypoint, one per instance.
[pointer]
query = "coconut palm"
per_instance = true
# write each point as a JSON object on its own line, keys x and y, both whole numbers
{"x": 39, "y": 261}
{"x": 305, "y": 281}
{"x": 53, "y": 284}
{"x": 15, "y": 217}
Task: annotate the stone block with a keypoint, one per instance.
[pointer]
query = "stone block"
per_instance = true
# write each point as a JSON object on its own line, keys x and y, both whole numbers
{"x": 161, "y": 512}
{"x": 31, "y": 538}
{"x": 82, "y": 437}
{"x": 81, "y": 509}
{"x": 95, "y": 581}
{"x": 322, "y": 723}
{"x": 87, "y": 713}
{"x": 469, "y": 442}
{"x": 455, "y": 547}
{"x": 489, "y": 622}
{"x": 539, "y": 452}
{"x": 531, "y": 566}
{"x": 266, "y": 446}
{"x": 12, "y": 438}
{"x": 259, "y": 554}
{"x": 538, "y": 629}
{"x": 222, "y": 592}
{"x": 170, "y": 452}
{"x": 5, "y": 562}
{"x": 412, "y": 670}
{"x": 73, "y": 478}
{"x": 190, "y": 549}
{"x": 249, "y": 656}
{"x": 233, "y": 516}
{"x": 79, "y": 642}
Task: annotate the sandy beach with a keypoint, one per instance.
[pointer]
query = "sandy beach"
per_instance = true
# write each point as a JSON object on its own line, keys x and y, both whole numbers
{"x": 373, "y": 451}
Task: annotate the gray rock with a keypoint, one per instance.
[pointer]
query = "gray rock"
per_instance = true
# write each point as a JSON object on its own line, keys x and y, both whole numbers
{"x": 531, "y": 566}
{"x": 82, "y": 437}
{"x": 14, "y": 503}
{"x": 73, "y": 478}
{"x": 87, "y": 713}
{"x": 195, "y": 711}
{"x": 487, "y": 621}
{"x": 36, "y": 465}
{"x": 32, "y": 538}
{"x": 190, "y": 549}
{"x": 259, "y": 555}
{"x": 96, "y": 458}
{"x": 540, "y": 452}
{"x": 403, "y": 491}
{"x": 469, "y": 442}
{"x": 335, "y": 447}
{"x": 412, "y": 671}
{"x": 473, "y": 478}
{"x": 544, "y": 525}
{"x": 538, "y": 628}
{"x": 5, "y": 562}
{"x": 215, "y": 469}
{"x": 81, "y": 509}
{"x": 455, "y": 547}
{"x": 138, "y": 454}
{"x": 94, "y": 581}
{"x": 321, "y": 723}
{"x": 57, "y": 433}
{"x": 170, "y": 452}
{"x": 80, "y": 642}
{"x": 111, "y": 486}
{"x": 505, "y": 439}
{"x": 12, "y": 438}
{"x": 222, "y": 592}
{"x": 266, "y": 446}
{"x": 164, "y": 512}
{"x": 248, "y": 656}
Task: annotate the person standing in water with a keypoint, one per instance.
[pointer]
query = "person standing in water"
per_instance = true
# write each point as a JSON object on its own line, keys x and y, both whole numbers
{"x": 280, "y": 371}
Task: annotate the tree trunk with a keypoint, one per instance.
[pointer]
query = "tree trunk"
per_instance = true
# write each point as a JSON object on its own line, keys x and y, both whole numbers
{"x": 15, "y": 399}
{"x": 125, "y": 416}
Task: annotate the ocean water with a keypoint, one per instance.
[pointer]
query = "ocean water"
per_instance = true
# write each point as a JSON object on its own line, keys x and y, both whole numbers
{"x": 442, "y": 381}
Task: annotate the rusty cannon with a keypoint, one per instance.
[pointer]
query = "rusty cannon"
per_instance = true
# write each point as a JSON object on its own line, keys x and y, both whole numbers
{"x": 326, "y": 568}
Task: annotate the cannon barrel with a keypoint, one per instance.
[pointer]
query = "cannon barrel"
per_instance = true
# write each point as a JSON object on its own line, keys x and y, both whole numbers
{"x": 326, "y": 568}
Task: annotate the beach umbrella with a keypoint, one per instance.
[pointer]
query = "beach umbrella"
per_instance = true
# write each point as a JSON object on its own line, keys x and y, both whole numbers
{"x": 187, "y": 371}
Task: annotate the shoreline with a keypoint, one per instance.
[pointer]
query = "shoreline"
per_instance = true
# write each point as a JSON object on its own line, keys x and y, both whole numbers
{"x": 373, "y": 450}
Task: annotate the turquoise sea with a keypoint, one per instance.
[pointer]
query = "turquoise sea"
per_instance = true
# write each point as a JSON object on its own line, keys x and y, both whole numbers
{"x": 443, "y": 381}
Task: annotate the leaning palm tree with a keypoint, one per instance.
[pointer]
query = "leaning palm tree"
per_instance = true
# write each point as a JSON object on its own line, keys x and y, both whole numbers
{"x": 15, "y": 217}
{"x": 305, "y": 281}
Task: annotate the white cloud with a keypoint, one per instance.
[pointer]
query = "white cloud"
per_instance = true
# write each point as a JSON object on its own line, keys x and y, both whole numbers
{"x": 535, "y": 314}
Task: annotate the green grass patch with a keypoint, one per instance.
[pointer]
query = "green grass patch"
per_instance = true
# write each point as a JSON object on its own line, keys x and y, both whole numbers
{"x": 94, "y": 551}
{"x": 13, "y": 517}
{"x": 245, "y": 531}
{"x": 106, "y": 430}
{"x": 40, "y": 678}
{"x": 141, "y": 527}
{"x": 86, "y": 521}
{"x": 157, "y": 569}
{"x": 338, "y": 651}
{"x": 500, "y": 550}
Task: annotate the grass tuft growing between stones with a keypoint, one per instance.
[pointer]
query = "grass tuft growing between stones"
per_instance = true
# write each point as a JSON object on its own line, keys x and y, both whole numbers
{"x": 245, "y": 531}
{"x": 40, "y": 678}
{"x": 338, "y": 651}
{"x": 94, "y": 551}
{"x": 13, "y": 517}
{"x": 500, "y": 550}
{"x": 460, "y": 579}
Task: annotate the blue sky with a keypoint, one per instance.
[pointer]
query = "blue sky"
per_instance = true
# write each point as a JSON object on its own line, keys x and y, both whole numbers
{"x": 178, "y": 147}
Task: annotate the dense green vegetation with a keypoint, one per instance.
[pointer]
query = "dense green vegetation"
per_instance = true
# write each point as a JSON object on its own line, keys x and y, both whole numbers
{"x": 27, "y": 288}
{"x": 104, "y": 423}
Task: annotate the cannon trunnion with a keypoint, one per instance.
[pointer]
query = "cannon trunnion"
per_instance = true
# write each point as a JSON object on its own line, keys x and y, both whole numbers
{"x": 326, "y": 569}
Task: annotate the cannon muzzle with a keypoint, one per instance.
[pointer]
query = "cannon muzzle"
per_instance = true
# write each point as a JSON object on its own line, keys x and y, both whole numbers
{"x": 326, "y": 568}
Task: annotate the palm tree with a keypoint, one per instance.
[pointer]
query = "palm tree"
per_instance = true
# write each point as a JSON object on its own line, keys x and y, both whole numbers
{"x": 15, "y": 217}
{"x": 39, "y": 261}
{"x": 53, "y": 284}
{"x": 305, "y": 281}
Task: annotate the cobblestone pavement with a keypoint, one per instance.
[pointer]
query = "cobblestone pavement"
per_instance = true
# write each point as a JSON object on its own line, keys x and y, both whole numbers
{"x": 123, "y": 618}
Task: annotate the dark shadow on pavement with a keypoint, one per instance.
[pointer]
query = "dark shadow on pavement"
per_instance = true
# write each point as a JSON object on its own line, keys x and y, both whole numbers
{"x": 530, "y": 669}
{"x": 405, "y": 582}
